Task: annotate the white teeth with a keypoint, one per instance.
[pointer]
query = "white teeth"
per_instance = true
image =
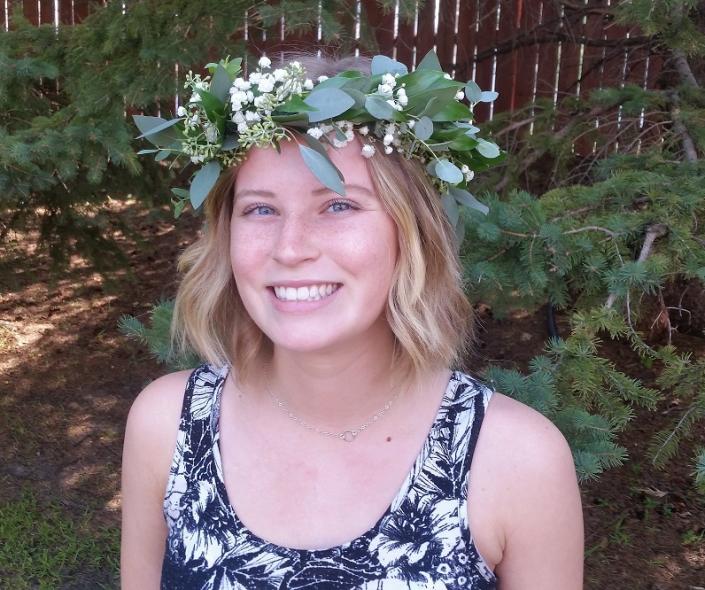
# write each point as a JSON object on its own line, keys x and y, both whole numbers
{"x": 310, "y": 293}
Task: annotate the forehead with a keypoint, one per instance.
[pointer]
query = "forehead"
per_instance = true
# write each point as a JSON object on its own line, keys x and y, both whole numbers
{"x": 267, "y": 171}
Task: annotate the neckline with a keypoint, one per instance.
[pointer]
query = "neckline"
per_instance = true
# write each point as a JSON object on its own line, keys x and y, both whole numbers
{"x": 406, "y": 485}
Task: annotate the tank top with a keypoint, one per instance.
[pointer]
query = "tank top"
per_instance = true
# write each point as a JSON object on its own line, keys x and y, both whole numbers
{"x": 422, "y": 541}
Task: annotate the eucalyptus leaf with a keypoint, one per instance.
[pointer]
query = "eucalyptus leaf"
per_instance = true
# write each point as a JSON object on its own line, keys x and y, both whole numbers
{"x": 358, "y": 96}
{"x": 459, "y": 232}
{"x": 450, "y": 206}
{"x": 423, "y": 129}
{"x": 473, "y": 92}
{"x": 329, "y": 103}
{"x": 381, "y": 64}
{"x": 162, "y": 155}
{"x": 294, "y": 104}
{"x": 487, "y": 148}
{"x": 430, "y": 62}
{"x": 446, "y": 170}
{"x": 488, "y": 96}
{"x": 379, "y": 108}
{"x": 465, "y": 198}
{"x": 149, "y": 151}
{"x": 229, "y": 143}
{"x": 320, "y": 148}
{"x": 151, "y": 125}
{"x": 182, "y": 193}
{"x": 203, "y": 182}
{"x": 220, "y": 85}
{"x": 323, "y": 169}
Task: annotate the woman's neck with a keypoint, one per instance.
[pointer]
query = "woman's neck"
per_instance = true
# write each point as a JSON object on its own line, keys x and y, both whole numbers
{"x": 338, "y": 388}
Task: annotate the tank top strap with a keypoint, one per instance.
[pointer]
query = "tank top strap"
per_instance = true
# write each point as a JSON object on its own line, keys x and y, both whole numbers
{"x": 194, "y": 440}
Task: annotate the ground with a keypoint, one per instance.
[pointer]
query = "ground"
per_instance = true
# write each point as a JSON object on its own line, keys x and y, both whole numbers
{"x": 68, "y": 377}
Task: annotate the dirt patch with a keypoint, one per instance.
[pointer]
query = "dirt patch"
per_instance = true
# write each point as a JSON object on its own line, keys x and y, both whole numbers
{"x": 68, "y": 377}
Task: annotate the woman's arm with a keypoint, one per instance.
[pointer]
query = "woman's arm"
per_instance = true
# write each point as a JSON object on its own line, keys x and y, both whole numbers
{"x": 541, "y": 517}
{"x": 150, "y": 438}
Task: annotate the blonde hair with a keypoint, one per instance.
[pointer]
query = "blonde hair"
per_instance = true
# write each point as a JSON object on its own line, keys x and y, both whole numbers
{"x": 427, "y": 310}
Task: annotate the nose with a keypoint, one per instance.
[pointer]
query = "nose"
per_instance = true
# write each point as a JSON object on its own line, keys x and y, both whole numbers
{"x": 295, "y": 242}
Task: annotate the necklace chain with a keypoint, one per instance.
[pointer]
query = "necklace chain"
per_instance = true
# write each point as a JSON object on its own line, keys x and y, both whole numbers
{"x": 346, "y": 435}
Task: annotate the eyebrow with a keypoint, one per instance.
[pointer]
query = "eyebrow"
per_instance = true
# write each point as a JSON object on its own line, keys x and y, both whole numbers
{"x": 319, "y": 191}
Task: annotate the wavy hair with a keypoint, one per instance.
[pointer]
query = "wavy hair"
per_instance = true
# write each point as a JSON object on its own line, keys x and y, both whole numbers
{"x": 427, "y": 310}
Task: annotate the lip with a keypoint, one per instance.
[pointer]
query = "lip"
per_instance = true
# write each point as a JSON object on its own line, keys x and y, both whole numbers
{"x": 303, "y": 283}
{"x": 301, "y": 307}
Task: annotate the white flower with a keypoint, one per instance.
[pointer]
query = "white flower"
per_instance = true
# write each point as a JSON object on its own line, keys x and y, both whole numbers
{"x": 384, "y": 89}
{"x": 470, "y": 175}
{"x": 261, "y": 101}
{"x": 411, "y": 124}
{"x": 388, "y": 149}
{"x": 388, "y": 139}
{"x": 241, "y": 84}
{"x": 250, "y": 116}
{"x": 255, "y": 77}
{"x": 464, "y": 169}
{"x": 197, "y": 159}
{"x": 389, "y": 80}
{"x": 368, "y": 150}
{"x": 403, "y": 100}
{"x": 264, "y": 62}
{"x": 460, "y": 95}
{"x": 308, "y": 84}
{"x": 238, "y": 96}
{"x": 339, "y": 144}
{"x": 279, "y": 75}
{"x": 195, "y": 97}
{"x": 266, "y": 84}
{"x": 349, "y": 135}
{"x": 315, "y": 132}
{"x": 242, "y": 127}
{"x": 250, "y": 96}
{"x": 447, "y": 76}
{"x": 181, "y": 112}
{"x": 295, "y": 64}
{"x": 238, "y": 117}
{"x": 322, "y": 79}
{"x": 364, "y": 130}
{"x": 395, "y": 105}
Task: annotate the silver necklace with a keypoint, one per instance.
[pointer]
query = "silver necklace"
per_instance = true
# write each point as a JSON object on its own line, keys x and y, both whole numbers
{"x": 346, "y": 435}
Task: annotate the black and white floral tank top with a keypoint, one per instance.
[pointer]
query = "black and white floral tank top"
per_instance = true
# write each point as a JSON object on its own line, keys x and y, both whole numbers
{"x": 421, "y": 542}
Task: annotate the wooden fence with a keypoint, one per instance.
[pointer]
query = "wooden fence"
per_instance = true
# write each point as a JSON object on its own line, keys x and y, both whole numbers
{"x": 524, "y": 49}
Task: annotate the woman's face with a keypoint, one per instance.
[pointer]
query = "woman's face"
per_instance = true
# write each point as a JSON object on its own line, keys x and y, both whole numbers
{"x": 313, "y": 268}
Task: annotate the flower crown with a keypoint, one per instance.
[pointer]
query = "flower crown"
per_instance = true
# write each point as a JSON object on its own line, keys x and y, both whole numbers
{"x": 419, "y": 114}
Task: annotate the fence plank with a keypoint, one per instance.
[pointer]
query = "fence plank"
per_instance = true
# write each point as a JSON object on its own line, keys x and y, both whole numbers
{"x": 445, "y": 37}
{"x": 506, "y": 69}
{"x": 30, "y": 10}
{"x": 526, "y": 57}
{"x": 405, "y": 41}
{"x": 466, "y": 39}
{"x": 425, "y": 36}
{"x": 548, "y": 52}
{"x": 486, "y": 41}
{"x": 381, "y": 25}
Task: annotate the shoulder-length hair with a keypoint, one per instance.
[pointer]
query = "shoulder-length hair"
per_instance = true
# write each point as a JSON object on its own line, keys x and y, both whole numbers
{"x": 427, "y": 310}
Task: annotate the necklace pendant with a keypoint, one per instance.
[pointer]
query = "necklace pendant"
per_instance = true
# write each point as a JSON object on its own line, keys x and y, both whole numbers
{"x": 349, "y": 435}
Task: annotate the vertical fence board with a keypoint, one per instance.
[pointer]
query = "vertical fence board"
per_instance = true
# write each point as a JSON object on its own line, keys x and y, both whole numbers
{"x": 548, "y": 52}
{"x": 506, "y": 73}
{"x": 65, "y": 12}
{"x": 486, "y": 40}
{"x": 445, "y": 37}
{"x": 466, "y": 39}
{"x": 425, "y": 36}
{"x": 569, "y": 66}
{"x": 381, "y": 25}
{"x": 526, "y": 56}
{"x": 405, "y": 41}
{"x": 30, "y": 10}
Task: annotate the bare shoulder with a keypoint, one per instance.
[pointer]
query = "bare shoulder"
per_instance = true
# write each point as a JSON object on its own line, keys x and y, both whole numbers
{"x": 537, "y": 510}
{"x": 153, "y": 421}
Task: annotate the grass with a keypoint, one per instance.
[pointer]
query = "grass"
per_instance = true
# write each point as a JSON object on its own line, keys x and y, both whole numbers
{"x": 44, "y": 547}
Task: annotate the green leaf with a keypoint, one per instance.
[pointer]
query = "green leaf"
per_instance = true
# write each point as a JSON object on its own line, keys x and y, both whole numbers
{"x": 329, "y": 103}
{"x": 149, "y": 151}
{"x": 421, "y": 101}
{"x": 162, "y": 155}
{"x": 295, "y": 104}
{"x": 320, "y": 148}
{"x": 487, "y": 148}
{"x": 381, "y": 64}
{"x": 423, "y": 129}
{"x": 203, "y": 182}
{"x": 488, "y": 96}
{"x": 182, "y": 193}
{"x": 158, "y": 131}
{"x": 430, "y": 62}
{"x": 452, "y": 112}
{"x": 220, "y": 85}
{"x": 214, "y": 108}
{"x": 451, "y": 208}
{"x": 473, "y": 92}
{"x": 465, "y": 198}
{"x": 229, "y": 143}
{"x": 323, "y": 169}
{"x": 446, "y": 170}
{"x": 379, "y": 108}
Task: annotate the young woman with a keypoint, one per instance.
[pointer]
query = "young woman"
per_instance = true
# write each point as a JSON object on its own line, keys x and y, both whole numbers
{"x": 329, "y": 443}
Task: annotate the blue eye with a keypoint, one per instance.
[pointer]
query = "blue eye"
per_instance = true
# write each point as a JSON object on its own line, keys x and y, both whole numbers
{"x": 347, "y": 206}
{"x": 257, "y": 208}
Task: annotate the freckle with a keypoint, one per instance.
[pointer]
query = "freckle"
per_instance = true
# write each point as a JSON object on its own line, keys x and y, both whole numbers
{"x": 389, "y": 439}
